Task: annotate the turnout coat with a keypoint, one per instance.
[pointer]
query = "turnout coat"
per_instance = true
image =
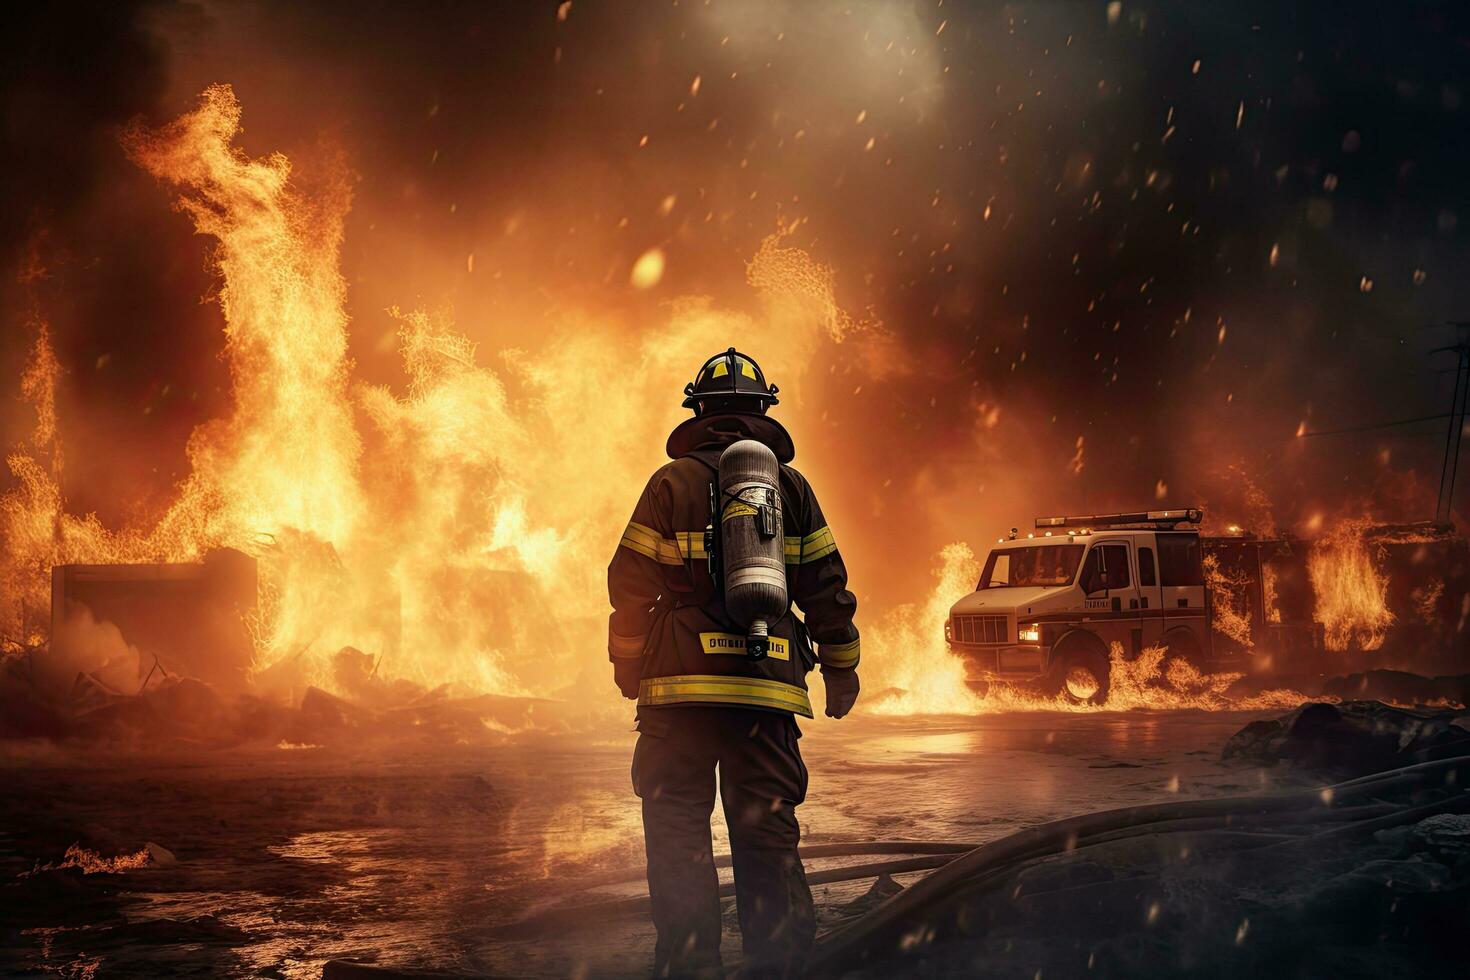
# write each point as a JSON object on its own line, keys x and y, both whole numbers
{"x": 668, "y": 614}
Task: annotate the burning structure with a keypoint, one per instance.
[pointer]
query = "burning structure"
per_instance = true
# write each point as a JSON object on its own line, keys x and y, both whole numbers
{"x": 180, "y": 619}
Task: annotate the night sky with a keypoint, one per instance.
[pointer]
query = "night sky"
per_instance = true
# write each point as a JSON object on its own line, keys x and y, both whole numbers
{"x": 1174, "y": 231}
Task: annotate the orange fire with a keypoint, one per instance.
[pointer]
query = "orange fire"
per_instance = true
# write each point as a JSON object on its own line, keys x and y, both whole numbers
{"x": 927, "y": 678}
{"x": 34, "y": 525}
{"x": 1229, "y": 602}
{"x": 459, "y": 528}
{"x": 1352, "y": 593}
{"x": 90, "y": 862}
{"x": 917, "y": 669}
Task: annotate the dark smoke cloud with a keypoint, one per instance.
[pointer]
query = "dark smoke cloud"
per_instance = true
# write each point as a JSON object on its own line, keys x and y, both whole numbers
{"x": 86, "y": 246}
{"x": 1058, "y": 215}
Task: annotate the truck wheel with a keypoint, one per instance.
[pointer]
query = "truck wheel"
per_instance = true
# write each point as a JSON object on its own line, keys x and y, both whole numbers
{"x": 1182, "y": 644}
{"x": 1080, "y": 673}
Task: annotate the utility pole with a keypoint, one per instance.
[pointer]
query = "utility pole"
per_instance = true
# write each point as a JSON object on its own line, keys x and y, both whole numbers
{"x": 1453, "y": 437}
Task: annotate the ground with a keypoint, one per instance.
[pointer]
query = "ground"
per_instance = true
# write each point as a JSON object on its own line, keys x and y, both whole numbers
{"x": 290, "y": 857}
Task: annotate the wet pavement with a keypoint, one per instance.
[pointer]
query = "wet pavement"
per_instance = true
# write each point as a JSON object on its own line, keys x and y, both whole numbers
{"x": 290, "y": 857}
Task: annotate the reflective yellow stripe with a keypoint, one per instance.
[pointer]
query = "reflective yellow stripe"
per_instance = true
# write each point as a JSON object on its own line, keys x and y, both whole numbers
{"x": 650, "y": 544}
{"x": 818, "y": 544}
{"x": 755, "y": 692}
{"x": 839, "y": 654}
{"x": 691, "y": 544}
{"x": 624, "y": 647}
{"x": 734, "y": 643}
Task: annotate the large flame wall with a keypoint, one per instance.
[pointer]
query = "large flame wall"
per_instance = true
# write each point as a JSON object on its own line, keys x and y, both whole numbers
{"x": 456, "y": 530}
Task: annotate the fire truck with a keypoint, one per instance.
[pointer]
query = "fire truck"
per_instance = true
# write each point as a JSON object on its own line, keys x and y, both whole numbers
{"x": 1050, "y": 607}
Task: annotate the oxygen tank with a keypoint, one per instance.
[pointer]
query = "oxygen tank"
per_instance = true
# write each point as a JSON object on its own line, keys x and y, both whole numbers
{"x": 752, "y": 541}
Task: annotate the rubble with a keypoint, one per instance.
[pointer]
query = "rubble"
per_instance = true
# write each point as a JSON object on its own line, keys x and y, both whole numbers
{"x": 126, "y": 623}
{"x": 1446, "y": 836}
{"x": 1400, "y": 687}
{"x": 1352, "y": 738}
{"x": 189, "y": 711}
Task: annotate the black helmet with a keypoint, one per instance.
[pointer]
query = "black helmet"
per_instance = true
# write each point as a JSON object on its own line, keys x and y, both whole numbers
{"x": 731, "y": 381}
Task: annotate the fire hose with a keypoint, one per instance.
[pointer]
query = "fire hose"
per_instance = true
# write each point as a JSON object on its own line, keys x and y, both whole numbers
{"x": 841, "y": 946}
{"x": 958, "y": 865}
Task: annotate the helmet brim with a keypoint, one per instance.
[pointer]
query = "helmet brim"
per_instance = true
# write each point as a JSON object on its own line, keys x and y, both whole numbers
{"x": 692, "y": 401}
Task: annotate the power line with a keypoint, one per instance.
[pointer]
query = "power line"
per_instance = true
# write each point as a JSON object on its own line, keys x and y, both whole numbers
{"x": 1378, "y": 425}
{"x": 1455, "y": 434}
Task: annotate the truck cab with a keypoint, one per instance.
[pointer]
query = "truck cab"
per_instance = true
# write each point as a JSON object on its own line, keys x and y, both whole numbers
{"x": 1049, "y": 607}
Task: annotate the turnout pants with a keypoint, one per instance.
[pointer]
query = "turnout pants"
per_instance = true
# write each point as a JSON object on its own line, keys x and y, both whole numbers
{"x": 762, "y": 780}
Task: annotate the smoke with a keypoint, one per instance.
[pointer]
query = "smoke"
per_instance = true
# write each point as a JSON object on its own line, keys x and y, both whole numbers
{"x": 84, "y": 645}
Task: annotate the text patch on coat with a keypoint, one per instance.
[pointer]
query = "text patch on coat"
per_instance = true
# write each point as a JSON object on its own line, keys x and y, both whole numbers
{"x": 733, "y": 643}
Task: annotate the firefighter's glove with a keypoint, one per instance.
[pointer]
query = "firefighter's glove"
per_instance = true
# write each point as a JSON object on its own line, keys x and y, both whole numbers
{"x": 842, "y": 689}
{"x": 628, "y": 673}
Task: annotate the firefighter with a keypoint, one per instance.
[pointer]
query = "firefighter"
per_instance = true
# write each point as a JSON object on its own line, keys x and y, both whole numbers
{"x": 705, "y": 705}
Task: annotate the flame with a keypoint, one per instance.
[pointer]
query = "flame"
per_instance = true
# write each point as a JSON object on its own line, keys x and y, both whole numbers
{"x": 909, "y": 665}
{"x": 458, "y": 528}
{"x": 34, "y": 526}
{"x": 1352, "y": 593}
{"x": 914, "y": 671}
{"x": 90, "y": 862}
{"x": 1229, "y": 593}
{"x": 1152, "y": 681}
{"x": 1269, "y": 597}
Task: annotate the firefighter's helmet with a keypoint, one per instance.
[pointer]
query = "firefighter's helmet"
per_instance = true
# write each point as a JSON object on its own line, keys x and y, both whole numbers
{"x": 728, "y": 382}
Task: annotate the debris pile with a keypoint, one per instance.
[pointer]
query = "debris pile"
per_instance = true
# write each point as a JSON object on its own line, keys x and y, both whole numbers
{"x": 183, "y": 711}
{"x": 1401, "y": 687}
{"x": 1353, "y": 738}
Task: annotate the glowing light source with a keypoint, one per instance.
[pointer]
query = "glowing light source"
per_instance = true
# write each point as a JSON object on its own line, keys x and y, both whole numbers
{"x": 648, "y": 270}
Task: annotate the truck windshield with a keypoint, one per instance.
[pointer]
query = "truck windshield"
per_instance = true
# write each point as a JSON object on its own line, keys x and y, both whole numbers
{"x": 1036, "y": 566}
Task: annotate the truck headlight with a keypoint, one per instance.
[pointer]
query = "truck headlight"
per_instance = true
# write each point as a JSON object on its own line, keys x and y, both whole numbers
{"x": 1029, "y": 633}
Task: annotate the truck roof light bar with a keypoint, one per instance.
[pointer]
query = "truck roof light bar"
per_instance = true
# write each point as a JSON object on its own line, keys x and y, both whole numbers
{"x": 1143, "y": 518}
